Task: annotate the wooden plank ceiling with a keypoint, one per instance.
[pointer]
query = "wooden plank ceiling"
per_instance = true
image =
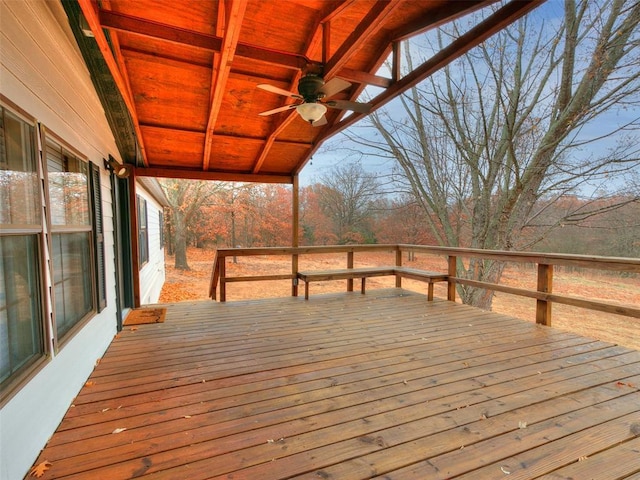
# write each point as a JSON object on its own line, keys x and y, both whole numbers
{"x": 188, "y": 72}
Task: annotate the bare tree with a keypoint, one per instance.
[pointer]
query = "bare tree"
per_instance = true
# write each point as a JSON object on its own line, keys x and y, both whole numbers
{"x": 185, "y": 197}
{"x": 514, "y": 121}
{"x": 347, "y": 196}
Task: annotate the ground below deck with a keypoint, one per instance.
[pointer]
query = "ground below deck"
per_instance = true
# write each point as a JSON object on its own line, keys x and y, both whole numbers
{"x": 349, "y": 386}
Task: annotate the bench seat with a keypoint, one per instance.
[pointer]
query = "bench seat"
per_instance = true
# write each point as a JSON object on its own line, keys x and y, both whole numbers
{"x": 364, "y": 273}
{"x": 423, "y": 276}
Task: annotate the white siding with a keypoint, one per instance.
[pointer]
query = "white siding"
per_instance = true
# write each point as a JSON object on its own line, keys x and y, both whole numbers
{"x": 152, "y": 274}
{"x": 43, "y": 73}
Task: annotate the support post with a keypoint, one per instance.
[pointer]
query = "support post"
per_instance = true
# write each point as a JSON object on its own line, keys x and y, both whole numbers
{"x": 545, "y": 284}
{"x": 398, "y": 264}
{"x": 350, "y": 265}
{"x": 451, "y": 286}
{"x": 223, "y": 279}
{"x": 134, "y": 221}
{"x": 295, "y": 235}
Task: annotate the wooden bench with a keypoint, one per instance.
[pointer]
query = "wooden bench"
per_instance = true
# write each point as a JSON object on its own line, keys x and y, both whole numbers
{"x": 345, "y": 274}
{"x": 423, "y": 276}
{"x": 364, "y": 273}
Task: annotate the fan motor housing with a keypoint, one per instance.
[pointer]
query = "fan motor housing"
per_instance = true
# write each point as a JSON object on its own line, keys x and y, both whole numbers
{"x": 308, "y": 87}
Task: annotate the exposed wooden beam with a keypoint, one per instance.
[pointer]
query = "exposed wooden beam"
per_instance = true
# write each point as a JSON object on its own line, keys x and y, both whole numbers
{"x": 134, "y": 25}
{"x": 191, "y": 174}
{"x": 446, "y": 13}
{"x": 233, "y": 15}
{"x": 91, "y": 15}
{"x": 396, "y": 65}
{"x": 367, "y": 78}
{"x": 335, "y": 10}
{"x": 370, "y": 24}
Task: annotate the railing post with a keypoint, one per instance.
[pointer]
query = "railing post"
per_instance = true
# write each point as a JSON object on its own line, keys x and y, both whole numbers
{"x": 223, "y": 278}
{"x": 398, "y": 264}
{"x": 350, "y": 265}
{"x": 452, "y": 272}
{"x": 294, "y": 271}
{"x": 545, "y": 284}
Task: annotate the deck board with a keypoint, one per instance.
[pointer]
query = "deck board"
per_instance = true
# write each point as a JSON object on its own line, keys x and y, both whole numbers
{"x": 350, "y": 386}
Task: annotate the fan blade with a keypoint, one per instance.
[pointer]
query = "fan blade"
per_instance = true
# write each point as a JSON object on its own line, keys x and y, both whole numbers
{"x": 333, "y": 86}
{"x": 320, "y": 122}
{"x": 279, "y": 91}
{"x": 347, "y": 105}
{"x": 278, "y": 110}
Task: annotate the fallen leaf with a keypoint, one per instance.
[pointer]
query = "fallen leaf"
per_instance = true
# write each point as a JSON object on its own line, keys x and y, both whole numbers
{"x": 89, "y": 384}
{"x": 119, "y": 430}
{"x": 625, "y": 384}
{"x": 522, "y": 424}
{"x": 133, "y": 329}
{"x": 105, "y": 409}
{"x": 187, "y": 416}
{"x": 39, "y": 469}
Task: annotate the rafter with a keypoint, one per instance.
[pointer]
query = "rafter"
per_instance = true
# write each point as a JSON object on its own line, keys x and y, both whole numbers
{"x": 447, "y": 13}
{"x": 233, "y": 14}
{"x": 369, "y": 25}
{"x": 146, "y": 28}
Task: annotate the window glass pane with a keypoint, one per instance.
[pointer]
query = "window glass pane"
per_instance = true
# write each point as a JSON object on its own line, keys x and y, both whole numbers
{"x": 143, "y": 231}
{"x": 72, "y": 279}
{"x": 20, "y": 312}
{"x": 68, "y": 187}
{"x": 19, "y": 197}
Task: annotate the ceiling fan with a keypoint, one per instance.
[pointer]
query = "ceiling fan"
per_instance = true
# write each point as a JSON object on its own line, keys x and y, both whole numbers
{"x": 315, "y": 95}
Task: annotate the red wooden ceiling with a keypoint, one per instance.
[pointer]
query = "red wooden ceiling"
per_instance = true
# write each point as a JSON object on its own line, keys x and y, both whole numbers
{"x": 188, "y": 72}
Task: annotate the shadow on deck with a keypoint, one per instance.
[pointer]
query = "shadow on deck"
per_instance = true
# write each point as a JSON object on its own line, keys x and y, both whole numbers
{"x": 349, "y": 386}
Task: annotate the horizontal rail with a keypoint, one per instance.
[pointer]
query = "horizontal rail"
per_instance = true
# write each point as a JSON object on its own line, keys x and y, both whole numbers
{"x": 549, "y": 297}
{"x": 545, "y": 262}
{"x": 259, "y": 278}
{"x": 620, "y": 264}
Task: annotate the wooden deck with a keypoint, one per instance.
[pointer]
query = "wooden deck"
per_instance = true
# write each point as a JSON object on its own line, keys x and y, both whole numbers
{"x": 349, "y": 386}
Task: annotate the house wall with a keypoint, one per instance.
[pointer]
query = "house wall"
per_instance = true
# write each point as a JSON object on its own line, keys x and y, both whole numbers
{"x": 43, "y": 73}
{"x": 152, "y": 274}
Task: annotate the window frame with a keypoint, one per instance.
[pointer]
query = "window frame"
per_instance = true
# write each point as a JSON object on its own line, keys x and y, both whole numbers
{"x": 40, "y": 247}
{"x": 60, "y": 340}
{"x": 142, "y": 211}
{"x": 25, "y": 372}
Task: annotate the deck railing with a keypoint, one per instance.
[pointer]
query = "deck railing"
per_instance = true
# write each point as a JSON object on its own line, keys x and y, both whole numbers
{"x": 545, "y": 263}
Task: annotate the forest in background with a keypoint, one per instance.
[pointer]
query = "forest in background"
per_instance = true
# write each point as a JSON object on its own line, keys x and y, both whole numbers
{"x": 349, "y": 206}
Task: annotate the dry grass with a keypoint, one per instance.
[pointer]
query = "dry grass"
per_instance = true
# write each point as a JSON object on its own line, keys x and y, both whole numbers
{"x": 194, "y": 285}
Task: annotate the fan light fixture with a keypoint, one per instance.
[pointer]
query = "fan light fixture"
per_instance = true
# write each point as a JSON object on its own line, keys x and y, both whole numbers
{"x": 311, "y": 112}
{"x": 121, "y": 171}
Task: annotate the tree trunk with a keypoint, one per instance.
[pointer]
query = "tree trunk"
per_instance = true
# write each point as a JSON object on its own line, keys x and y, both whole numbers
{"x": 180, "y": 242}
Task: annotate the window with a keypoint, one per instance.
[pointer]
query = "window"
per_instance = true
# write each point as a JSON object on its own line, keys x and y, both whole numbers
{"x": 68, "y": 181}
{"x": 143, "y": 232}
{"x": 21, "y": 316}
{"x": 161, "y": 227}
{"x": 71, "y": 237}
